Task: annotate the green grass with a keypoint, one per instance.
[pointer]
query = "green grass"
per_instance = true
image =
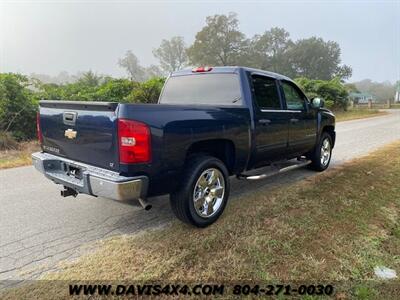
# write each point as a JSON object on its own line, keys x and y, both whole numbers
{"x": 357, "y": 113}
{"x": 332, "y": 227}
{"x": 395, "y": 106}
{"x": 20, "y": 157}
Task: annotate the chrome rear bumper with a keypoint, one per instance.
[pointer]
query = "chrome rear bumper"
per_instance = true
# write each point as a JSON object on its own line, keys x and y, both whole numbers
{"x": 89, "y": 179}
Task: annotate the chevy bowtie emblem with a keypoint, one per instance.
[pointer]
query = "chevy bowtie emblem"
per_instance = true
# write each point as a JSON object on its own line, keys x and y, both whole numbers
{"x": 69, "y": 133}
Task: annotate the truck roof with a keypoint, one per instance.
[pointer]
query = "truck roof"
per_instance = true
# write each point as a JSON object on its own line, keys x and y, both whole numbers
{"x": 231, "y": 69}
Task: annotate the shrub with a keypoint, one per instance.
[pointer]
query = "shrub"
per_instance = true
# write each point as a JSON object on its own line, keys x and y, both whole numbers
{"x": 19, "y": 99}
{"x": 115, "y": 90}
{"x": 148, "y": 91}
{"x": 18, "y": 106}
{"x": 332, "y": 91}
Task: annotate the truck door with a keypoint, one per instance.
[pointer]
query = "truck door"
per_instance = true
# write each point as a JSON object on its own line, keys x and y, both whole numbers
{"x": 302, "y": 121}
{"x": 271, "y": 120}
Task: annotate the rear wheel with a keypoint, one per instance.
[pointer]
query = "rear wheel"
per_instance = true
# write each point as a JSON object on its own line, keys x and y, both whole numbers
{"x": 321, "y": 157}
{"x": 204, "y": 192}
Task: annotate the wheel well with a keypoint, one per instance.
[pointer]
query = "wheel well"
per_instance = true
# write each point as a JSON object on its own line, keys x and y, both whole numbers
{"x": 222, "y": 149}
{"x": 331, "y": 131}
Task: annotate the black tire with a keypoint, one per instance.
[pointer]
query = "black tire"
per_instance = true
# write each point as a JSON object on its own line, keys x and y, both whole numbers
{"x": 182, "y": 202}
{"x": 315, "y": 156}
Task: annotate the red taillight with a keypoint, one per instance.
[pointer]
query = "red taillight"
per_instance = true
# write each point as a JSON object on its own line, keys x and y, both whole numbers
{"x": 39, "y": 131}
{"x": 134, "y": 142}
{"x": 202, "y": 69}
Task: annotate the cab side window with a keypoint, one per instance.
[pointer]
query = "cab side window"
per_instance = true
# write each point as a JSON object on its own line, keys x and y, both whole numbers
{"x": 266, "y": 92}
{"x": 294, "y": 99}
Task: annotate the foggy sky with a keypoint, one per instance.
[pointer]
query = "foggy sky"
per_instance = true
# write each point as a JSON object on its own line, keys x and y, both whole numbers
{"x": 52, "y": 36}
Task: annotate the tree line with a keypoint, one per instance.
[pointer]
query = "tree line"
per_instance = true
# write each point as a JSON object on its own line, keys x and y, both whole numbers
{"x": 221, "y": 43}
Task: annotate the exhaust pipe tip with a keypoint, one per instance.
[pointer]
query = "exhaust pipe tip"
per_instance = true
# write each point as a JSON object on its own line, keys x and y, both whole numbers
{"x": 145, "y": 204}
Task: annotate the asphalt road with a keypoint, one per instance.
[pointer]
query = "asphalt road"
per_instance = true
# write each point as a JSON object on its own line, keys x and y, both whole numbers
{"x": 38, "y": 228}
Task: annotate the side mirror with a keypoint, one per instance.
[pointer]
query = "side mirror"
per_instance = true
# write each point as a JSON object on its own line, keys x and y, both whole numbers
{"x": 317, "y": 102}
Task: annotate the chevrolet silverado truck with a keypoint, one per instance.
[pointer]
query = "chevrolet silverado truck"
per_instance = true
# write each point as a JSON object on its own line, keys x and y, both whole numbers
{"x": 209, "y": 124}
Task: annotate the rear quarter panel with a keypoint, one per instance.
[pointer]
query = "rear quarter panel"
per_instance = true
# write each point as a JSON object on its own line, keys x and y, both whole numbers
{"x": 175, "y": 128}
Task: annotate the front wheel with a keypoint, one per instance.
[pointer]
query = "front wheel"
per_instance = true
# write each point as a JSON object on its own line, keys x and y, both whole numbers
{"x": 204, "y": 192}
{"x": 321, "y": 157}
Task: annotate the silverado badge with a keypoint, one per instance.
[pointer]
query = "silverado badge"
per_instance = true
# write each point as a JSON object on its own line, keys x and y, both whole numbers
{"x": 70, "y": 133}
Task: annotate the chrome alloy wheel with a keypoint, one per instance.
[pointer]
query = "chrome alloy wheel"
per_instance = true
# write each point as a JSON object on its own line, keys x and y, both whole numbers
{"x": 325, "y": 152}
{"x": 209, "y": 192}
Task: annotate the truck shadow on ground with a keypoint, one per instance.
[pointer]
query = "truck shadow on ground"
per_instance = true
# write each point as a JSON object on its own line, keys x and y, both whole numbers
{"x": 161, "y": 214}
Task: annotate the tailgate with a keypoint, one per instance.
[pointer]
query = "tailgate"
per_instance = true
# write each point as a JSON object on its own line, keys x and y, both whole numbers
{"x": 81, "y": 131}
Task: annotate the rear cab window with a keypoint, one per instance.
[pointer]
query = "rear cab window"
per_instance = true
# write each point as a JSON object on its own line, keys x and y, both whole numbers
{"x": 203, "y": 89}
{"x": 265, "y": 92}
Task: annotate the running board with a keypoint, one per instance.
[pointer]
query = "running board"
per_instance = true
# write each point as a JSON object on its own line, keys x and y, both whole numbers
{"x": 279, "y": 171}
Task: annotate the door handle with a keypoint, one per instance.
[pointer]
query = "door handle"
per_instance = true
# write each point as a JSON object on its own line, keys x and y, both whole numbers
{"x": 264, "y": 122}
{"x": 294, "y": 121}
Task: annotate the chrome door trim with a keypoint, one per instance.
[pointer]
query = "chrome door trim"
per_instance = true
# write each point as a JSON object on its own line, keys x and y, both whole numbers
{"x": 281, "y": 110}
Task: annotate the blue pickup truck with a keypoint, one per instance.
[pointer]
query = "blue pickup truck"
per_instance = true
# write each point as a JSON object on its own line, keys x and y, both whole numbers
{"x": 209, "y": 124}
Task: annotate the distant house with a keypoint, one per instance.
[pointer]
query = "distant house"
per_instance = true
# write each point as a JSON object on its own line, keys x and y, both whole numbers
{"x": 397, "y": 95}
{"x": 362, "y": 98}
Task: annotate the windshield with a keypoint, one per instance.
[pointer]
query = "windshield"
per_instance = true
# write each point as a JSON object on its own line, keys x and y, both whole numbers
{"x": 211, "y": 89}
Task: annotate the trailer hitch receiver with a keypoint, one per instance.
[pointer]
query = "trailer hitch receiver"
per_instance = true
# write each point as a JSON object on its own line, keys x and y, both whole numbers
{"x": 68, "y": 192}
